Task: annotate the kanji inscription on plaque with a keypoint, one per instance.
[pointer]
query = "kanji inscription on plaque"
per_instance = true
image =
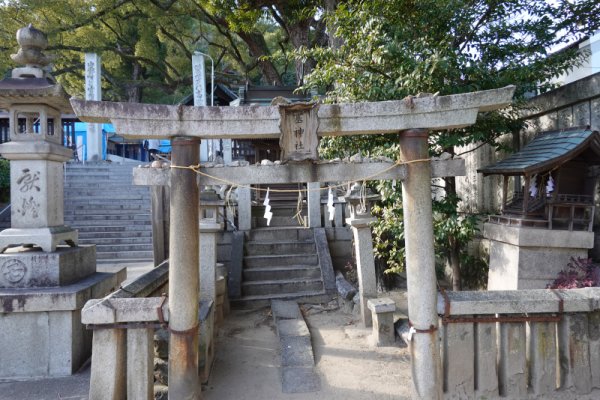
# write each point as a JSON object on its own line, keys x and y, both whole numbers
{"x": 298, "y": 124}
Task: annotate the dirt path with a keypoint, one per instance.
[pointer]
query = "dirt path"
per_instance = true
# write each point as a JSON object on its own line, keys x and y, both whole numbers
{"x": 247, "y": 361}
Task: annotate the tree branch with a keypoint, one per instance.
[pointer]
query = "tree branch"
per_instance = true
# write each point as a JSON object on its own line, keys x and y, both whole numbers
{"x": 91, "y": 18}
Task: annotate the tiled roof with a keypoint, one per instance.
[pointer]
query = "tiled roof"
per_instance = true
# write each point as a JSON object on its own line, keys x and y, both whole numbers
{"x": 546, "y": 151}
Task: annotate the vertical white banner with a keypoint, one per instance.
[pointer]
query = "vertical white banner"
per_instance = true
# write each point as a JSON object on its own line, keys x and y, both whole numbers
{"x": 93, "y": 91}
{"x": 199, "y": 89}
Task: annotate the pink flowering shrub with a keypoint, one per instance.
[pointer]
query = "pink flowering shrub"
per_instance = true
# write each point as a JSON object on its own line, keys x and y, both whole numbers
{"x": 580, "y": 272}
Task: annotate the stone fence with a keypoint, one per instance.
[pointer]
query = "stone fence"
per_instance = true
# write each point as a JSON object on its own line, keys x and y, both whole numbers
{"x": 520, "y": 343}
{"x": 123, "y": 325}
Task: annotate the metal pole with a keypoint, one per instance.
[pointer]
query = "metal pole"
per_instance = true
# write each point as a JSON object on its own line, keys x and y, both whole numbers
{"x": 420, "y": 268}
{"x": 184, "y": 383}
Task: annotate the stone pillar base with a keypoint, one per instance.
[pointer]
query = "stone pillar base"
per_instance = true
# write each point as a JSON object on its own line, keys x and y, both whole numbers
{"x": 42, "y": 334}
{"x": 530, "y": 258}
{"x": 46, "y": 238}
{"x": 29, "y": 267}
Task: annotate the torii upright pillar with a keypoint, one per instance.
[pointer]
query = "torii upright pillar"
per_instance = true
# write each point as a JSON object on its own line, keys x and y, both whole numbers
{"x": 420, "y": 267}
{"x": 184, "y": 382}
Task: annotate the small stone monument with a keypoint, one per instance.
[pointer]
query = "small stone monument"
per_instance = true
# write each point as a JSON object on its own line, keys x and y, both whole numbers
{"x": 43, "y": 284}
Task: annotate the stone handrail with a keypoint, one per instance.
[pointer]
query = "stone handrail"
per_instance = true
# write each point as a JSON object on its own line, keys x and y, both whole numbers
{"x": 507, "y": 343}
{"x": 123, "y": 326}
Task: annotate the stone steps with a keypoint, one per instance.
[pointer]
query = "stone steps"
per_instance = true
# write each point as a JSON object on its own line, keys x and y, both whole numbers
{"x": 267, "y": 248}
{"x": 283, "y": 234}
{"x": 122, "y": 248}
{"x": 126, "y": 255}
{"x": 105, "y": 221}
{"x": 282, "y": 286}
{"x": 108, "y": 207}
{"x": 277, "y": 221}
{"x": 110, "y": 217}
{"x": 131, "y": 234}
{"x": 116, "y": 241}
{"x": 280, "y": 263}
{"x": 107, "y": 210}
{"x": 258, "y": 301}
{"x": 282, "y": 272}
{"x": 86, "y": 211}
{"x": 280, "y": 259}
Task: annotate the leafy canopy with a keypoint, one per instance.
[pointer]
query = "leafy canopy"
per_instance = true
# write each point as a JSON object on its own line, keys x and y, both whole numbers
{"x": 390, "y": 49}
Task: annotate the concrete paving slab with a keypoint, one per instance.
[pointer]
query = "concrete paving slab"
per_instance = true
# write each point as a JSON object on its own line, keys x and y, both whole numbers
{"x": 285, "y": 310}
{"x": 300, "y": 380}
{"x": 292, "y": 328}
{"x": 296, "y": 352}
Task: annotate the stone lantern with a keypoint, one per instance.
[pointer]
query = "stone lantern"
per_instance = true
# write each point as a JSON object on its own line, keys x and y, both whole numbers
{"x": 35, "y": 102}
{"x": 360, "y": 200}
{"x": 43, "y": 284}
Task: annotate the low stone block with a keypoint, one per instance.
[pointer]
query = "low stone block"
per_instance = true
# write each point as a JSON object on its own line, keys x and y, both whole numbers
{"x": 31, "y": 267}
{"x": 382, "y": 315}
{"x": 381, "y": 305}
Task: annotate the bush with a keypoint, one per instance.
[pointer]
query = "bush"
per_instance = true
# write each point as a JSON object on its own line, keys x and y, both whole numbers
{"x": 580, "y": 273}
{"x": 4, "y": 181}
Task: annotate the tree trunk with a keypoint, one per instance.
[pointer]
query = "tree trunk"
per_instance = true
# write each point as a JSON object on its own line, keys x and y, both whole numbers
{"x": 258, "y": 49}
{"x": 453, "y": 257}
{"x": 134, "y": 91}
{"x": 299, "y": 37}
{"x": 454, "y": 263}
{"x": 334, "y": 41}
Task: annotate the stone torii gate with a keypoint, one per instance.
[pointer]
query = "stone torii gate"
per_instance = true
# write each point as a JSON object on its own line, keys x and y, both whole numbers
{"x": 411, "y": 118}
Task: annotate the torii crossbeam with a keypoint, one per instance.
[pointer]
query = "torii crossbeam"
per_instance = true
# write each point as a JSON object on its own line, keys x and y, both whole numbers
{"x": 185, "y": 125}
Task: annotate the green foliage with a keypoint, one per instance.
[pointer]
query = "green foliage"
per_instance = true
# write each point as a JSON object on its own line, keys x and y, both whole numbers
{"x": 4, "y": 180}
{"x": 393, "y": 48}
{"x": 147, "y": 46}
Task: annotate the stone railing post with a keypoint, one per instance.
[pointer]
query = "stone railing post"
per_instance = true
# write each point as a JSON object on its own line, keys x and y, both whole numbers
{"x": 244, "y": 200}
{"x": 209, "y": 226}
{"x": 122, "y": 357}
{"x": 108, "y": 375}
{"x": 158, "y": 224}
{"x": 314, "y": 204}
{"x": 360, "y": 220}
{"x": 140, "y": 363}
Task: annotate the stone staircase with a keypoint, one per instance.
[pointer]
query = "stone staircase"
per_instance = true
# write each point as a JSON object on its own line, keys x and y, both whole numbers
{"x": 281, "y": 263}
{"x": 108, "y": 211}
